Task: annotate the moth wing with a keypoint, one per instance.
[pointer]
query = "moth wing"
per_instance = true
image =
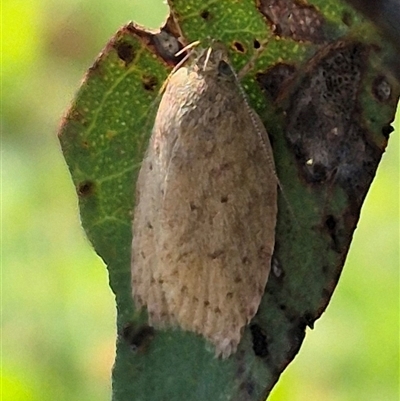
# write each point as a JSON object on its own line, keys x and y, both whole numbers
{"x": 146, "y": 282}
{"x": 217, "y": 226}
{"x": 146, "y": 290}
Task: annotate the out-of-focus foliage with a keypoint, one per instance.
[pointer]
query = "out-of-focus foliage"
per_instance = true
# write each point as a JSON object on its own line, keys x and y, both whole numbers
{"x": 58, "y": 311}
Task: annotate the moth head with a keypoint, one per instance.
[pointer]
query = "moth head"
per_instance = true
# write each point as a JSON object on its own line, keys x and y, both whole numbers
{"x": 214, "y": 61}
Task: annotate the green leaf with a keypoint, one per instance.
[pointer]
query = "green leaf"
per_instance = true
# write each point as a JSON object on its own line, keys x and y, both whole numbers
{"x": 321, "y": 82}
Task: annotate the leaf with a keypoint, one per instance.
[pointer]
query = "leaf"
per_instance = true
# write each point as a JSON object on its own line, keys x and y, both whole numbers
{"x": 321, "y": 84}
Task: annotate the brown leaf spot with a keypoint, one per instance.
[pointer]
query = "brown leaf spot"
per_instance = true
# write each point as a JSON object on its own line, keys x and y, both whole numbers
{"x": 85, "y": 189}
{"x": 347, "y": 18}
{"x": 330, "y": 223}
{"x": 238, "y": 47}
{"x": 273, "y": 81}
{"x": 294, "y": 19}
{"x": 125, "y": 52}
{"x": 256, "y": 44}
{"x": 324, "y": 125}
{"x": 138, "y": 338}
{"x": 381, "y": 89}
{"x": 206, "y": 15}
{"x": 259, "y": 338}
{"x": 149, "y": 82}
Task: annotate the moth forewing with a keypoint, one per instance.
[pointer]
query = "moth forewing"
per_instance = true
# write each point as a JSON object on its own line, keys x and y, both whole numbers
{"x": 204, "y": 223}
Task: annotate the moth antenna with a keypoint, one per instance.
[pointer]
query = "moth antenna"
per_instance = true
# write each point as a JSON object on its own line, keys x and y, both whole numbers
{"x": 188, "y": 47}
{"x": 208, "y": 55}
{"x": 179, "y": 65}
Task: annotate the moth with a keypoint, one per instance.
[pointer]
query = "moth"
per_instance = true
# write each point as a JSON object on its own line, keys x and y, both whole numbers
{"x": 206, "y": 207}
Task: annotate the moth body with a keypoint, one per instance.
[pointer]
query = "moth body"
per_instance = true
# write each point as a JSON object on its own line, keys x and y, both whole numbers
{"x": 206, "y": 205}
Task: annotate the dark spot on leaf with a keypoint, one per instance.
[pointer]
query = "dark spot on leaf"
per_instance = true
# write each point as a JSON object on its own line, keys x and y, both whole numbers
{"x": 85, "y": 189}
{"x": 125, "y": 52}
{"x": 273, "y": 81}
{"x": 317, "y": 171}
{"x": 259, "y": 338}
{"x": 347, "y": 18}
{"x": 205, "y": 14}
{"x": 381, "y": 89}
{"x": 256, "y": 44}
{"x": 138, "y": 338}
{"x": 324, "y": 124}
{"x": 387, "y": 130}
{"x": 330, "y": 222}
{"x": 238, "y": 47}
{"x": 250, "y": 387}
{"x": 149, "y": 82}
{"x": 331, "y": 225}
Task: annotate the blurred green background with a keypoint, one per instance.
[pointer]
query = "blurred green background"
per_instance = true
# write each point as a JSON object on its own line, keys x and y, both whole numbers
{"x": 58, "y": 319}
